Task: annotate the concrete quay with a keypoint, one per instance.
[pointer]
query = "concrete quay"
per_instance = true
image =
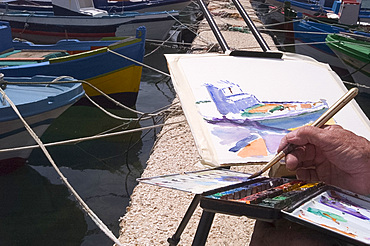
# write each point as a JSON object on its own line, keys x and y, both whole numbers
{"x": 154, "y": 212}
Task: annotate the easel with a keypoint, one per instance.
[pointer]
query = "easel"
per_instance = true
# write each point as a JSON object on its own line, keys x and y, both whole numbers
{"x": 175, "y": 239}
{"x": 207, "y": 217}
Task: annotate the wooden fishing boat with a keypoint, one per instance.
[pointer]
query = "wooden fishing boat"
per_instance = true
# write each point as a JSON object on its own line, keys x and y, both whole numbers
{"x": 354, "y": 52}
{"x": 309, "y": 37}
{"x": 85, "y": 22}
{"x": 140, "y": 6}
{"x": 111, "y": 73}
{"x": 348, "y": 12}
{"x": 39, "y": 104}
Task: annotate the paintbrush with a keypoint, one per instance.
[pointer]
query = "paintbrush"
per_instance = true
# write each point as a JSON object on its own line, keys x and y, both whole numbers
{"x": 344, "y": 100}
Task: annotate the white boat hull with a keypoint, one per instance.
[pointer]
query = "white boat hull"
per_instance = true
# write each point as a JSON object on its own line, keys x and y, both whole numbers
{"x": 358, "y": 71}
{"x": 13, "y": 134}
{"x": 47, "y": 28}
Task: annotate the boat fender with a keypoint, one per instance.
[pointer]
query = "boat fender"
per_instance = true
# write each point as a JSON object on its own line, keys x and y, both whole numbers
{"x": 2, "y": 82}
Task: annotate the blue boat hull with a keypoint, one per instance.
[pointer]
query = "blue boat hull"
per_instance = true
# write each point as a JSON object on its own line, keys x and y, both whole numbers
{"x": 39, "y": 105}
{"x": 109, "y": 72}
{"x": 310, "y": 39}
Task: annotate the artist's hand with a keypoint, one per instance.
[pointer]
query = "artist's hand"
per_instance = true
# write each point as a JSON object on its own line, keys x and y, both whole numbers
{"x": 285, "y": 233}
{"x": 330, "y": 154}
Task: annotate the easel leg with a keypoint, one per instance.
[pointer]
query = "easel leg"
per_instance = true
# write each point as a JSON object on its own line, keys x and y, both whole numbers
{"x": 175, "y": 239}
{"x": 204, "y": 226}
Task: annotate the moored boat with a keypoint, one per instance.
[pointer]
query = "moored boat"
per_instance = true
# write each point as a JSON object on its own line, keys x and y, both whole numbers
{"x": 348, "y": 12}
{"x": 85, "y": 23}
{"x": 354, "y": 52}
{"x": 109, "y": 72}
{"x": 140, "y": 6}
{"x": 39, "y": 104}
{"x": 309, "y": 37}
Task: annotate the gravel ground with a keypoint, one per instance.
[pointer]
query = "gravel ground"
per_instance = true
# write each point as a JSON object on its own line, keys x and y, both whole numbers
{"x": 154, "y": 212}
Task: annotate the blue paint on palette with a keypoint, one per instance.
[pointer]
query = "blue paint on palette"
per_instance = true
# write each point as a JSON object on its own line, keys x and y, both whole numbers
{"x": 336, "y": 201}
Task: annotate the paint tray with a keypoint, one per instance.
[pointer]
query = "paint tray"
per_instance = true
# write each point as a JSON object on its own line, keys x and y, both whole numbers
{"x": 337, "y": 212}
{"x": 199, "y": 182}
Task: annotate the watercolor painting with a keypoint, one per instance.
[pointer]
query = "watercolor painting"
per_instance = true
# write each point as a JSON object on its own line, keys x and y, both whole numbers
{"x": 338, "y": 212}
{"x": 239, "y": 108}
{"x": 244, "y": 126}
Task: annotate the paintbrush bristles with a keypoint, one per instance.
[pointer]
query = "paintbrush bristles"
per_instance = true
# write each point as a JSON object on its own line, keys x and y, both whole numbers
{"x": 272, "y": 162}
{"x": 344, "y": 100}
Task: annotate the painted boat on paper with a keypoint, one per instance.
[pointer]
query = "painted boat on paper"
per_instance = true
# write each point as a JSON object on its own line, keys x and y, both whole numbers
{"x": 309, "y": 37}
{"x": 140, "y": 6}
{"x": 39, "y": 104}
{"x": 86, "y": 23}
{"x": 243, "y": 118}
{"x": 236, "y": 106}
{"x": 354, "y": 52}
{"x": 114, "y": 75}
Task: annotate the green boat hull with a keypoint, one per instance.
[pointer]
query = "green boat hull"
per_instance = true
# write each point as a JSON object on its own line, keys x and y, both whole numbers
{"x": 355, "y": 55}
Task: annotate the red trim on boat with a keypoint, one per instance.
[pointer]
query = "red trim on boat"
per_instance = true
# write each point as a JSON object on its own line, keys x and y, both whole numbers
{"x": 63, "y": 34}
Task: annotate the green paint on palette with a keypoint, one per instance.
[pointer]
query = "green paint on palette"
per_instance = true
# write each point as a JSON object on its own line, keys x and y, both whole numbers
{"x": 280, "y": 198}
{"x": 327, "y": 215}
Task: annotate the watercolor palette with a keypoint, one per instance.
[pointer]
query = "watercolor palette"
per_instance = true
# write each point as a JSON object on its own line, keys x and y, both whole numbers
{"x": 337, "y": 212}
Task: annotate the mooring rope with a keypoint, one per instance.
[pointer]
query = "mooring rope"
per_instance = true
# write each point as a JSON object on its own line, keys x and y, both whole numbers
{"x": 167, "y": 42}
{"x": 91, "y": 137}
{"x": 96, "y": 89}
{"x": 85, "y": 207}
{"x": 196, "y": 33}
{"x": 57, "y": 81}
{"x": 152, "y": 52}
{"x": 291, "y": 31}
{"x": 182, "y": 24}
{"x": 127, "y": 119}
{"x": 280, "y": 23}
{"x": 139, "y": 63}
{"x": 357, "y": 84}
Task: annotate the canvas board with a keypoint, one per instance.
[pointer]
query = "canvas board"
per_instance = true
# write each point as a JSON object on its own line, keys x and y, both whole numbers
{"x": 239, "y": 108}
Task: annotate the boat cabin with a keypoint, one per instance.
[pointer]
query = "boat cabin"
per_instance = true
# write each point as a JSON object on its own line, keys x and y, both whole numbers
{"x": 76, "y": 8}
{"x": 230, "y": 98}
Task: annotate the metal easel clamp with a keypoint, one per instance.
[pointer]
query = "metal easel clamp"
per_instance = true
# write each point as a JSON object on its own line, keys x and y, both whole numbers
{"x": 264, "y": 54}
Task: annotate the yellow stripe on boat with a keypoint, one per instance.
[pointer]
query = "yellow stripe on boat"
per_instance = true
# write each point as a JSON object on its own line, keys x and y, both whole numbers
{"x": 123, "y": 80}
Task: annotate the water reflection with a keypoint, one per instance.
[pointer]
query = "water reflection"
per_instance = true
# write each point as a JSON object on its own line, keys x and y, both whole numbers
{"x": 34, "y": 211}
{"x": 102, "y": 171}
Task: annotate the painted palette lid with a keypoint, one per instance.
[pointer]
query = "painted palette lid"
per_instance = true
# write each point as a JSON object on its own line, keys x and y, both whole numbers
{"x": 239, "y": 108}
{"x": 338, "y": 212}
{"x": 198, "y": 182}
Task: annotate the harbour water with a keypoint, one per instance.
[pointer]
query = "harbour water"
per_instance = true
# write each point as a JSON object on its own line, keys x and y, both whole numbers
{"x": 37, "y": 209}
